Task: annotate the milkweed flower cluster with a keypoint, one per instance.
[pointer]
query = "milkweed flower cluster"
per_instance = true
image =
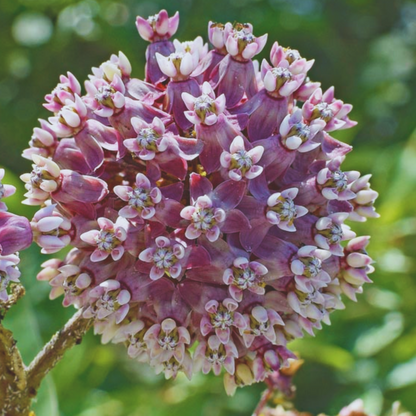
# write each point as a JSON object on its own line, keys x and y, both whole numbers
{"x": 205, "y": 206}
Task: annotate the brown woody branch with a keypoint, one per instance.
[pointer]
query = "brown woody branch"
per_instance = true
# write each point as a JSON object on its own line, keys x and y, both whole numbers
{"x": 18, "y": 383}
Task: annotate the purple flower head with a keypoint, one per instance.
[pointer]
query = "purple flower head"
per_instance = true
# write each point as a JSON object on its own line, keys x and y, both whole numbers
{"x": 241, "y": 44}
{"x": 297, "y": 135}
{"x": 260, "y": 322}
{"x": 9, "y": 272}
{"x": 141, "y": 200}
{"x": 172, "y": 367}
{"x": 221, "y": 317}
{"x": 43, "y": 141}
{"x": 108, "y": 299}
{"x": 108, "y": 240}
{"x": 245, "y": 275}
{"x": 206, "y": 108}
{"x": 307, "y": 268}
{"x": 67, "y": 88}
{"x": 325, "y": 107}
{"x": 150, "y": 138}
{"x": 73, "y": 283}
{"x": 218, "y": 34}
{"x": 5, "y": 191}
{"x": 206, "y": 213}
{"x": 336, "y": 184}
{"x": 214, "y": 355}
{"x": 157, "y": 27}
{"x": 355, "y": 266}
{"x": 44, "y": 179}
{"x": 205, "y": 219}
{"x": 282, "y": 211}
{"x": 280, "y": 81}
{"x": 241, "y": 163}
{"x": 179, "y": 64}
{"x": 331, "y": 230}
{"x": 116, "y": 66}
{"x": 70, "y": 118}
{"x": 167, "y": 340}
{"x": 51, "y": 229}
{"x": 363, "y": 202}
{"x": 166, "y": 257}
{"x": 192, "y": 46}
{"x": 297, "y": 64}
{"x": 133, "y": 334}
{"x": 104, "y": 98}
{"x": 307, "y": 305}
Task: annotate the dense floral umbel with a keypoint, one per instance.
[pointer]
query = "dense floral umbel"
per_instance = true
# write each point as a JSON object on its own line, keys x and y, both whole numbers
{"x": 205, "y": 206}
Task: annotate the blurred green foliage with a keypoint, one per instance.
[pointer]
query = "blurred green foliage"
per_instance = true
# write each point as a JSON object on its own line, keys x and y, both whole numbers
{"x": 367, "y": 49}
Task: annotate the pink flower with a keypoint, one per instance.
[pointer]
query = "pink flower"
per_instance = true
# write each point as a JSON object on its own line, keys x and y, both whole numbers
{"x": 70, "y": 118}
{"x": 331, "y": 230}
{"x": 157, "y": 27}
{"x": 178, "y": 65}
{"x": 260, "y": 322}
{"x": 150, "y": 139}
{"x": 336, "y": 184}
{"x": 172, "y": 367}
{"x": 242, "y": 44}
{"x": 324, "y": 106}
{"x": 141, "y": 199}
{"x": 72, "y": 282}
{"x": 363, "y": 202}
{"x": 356, "y": 265}
{"x": 108, "y": 299}
{"x": 166, "y": 257}
{"x": 241, "y": 163}
{"x": 307, "y": 268}
{"x": 104, "y": 98}
{"x": 43, "y": 141}
{"x": 245, "y": 275}
{"x": 204, "y": 109}
{"x": 280, "y": 80}
{"x": 218, "y": 34}
{"x": 297, "y": 135}
{"x": 193, "y": 46}
{"x": 133, "y": 334}
{"x": 205, "y": 219}
{"x": 297, "y": 64}
{"x": 221, "y": 317}
{"x": 167, "y": 340}
{"x": 116, "y": 66}
{"x": 214, "y": 355}
{"x": 44, "y": 179}
{"x": 65, "y": 90}
{"x": 108, "y": 240}
{"x": 51, "y": 229}
{"x": 282, "y": 210}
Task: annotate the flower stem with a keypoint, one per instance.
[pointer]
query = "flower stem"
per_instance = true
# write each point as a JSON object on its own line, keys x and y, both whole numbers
{"x": 18, "y": 383}
{"x": 265, "y": 397}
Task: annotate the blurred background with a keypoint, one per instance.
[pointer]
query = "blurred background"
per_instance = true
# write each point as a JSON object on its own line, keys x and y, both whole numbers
{"x": 367, "y": 50}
